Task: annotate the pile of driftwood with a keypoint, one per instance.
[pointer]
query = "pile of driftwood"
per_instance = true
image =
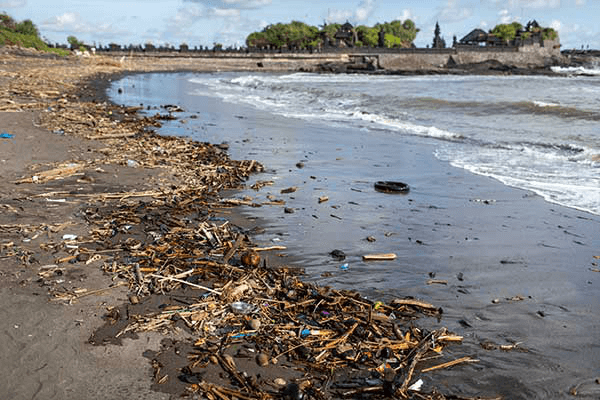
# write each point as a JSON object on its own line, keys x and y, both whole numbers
{"x": 344, "y": 344}
{"x": 243, "y": 316}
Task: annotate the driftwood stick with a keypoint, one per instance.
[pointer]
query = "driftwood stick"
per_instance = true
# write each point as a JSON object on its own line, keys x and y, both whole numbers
{"x": 421, "y": 350}
{"x": 185, "y": 283}
{"x": 234, "y": 247}
{"x": 451, "y": 363}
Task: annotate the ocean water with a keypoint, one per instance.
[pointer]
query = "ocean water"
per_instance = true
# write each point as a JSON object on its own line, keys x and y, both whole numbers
{"x": 535, "y": 133}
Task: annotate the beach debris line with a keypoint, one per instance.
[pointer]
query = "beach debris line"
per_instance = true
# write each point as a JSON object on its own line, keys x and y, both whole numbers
{"x": 233, "y": 300}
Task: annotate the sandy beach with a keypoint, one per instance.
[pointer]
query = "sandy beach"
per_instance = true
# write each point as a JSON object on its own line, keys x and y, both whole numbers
{"x": 505, "y": 277}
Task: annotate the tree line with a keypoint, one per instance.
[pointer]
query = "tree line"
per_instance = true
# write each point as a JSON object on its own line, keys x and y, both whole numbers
{"x": 299, "y": 35}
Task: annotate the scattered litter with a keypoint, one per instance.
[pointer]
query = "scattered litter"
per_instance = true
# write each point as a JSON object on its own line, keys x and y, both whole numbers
{"x": 379, "y": 257}
{"x": 484, "y": 201}
{"x": 416, "y": 387}
{"x": 437, "y": 282}
{"x": 391, "y": 187}
{"x": 289, "y": 190}
{"x": 5, "y": 135}
{"x": 338, "y": 254}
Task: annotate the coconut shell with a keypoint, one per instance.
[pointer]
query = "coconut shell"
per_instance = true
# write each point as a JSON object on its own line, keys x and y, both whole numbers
{"x": 250, "y": 259}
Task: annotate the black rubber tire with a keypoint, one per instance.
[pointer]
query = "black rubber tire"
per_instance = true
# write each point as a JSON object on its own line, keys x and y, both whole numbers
{"x": 391, "y": 187}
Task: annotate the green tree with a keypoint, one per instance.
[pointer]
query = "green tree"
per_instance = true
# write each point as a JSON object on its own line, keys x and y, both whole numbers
{"x": 506, "y": 32}
{"x": 369, "y": 37}
{"x": 7, "y": 21}
{"x": 76, "y": 44}
{"x": 295, "y": 34}
{"x": 300, "y": 35}
{"x": 27, "y": 27}
{"x": 549, "y": 34}
{"x": 392, "y": 41}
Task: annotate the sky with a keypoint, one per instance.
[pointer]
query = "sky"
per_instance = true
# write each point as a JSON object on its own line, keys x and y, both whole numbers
{"x": 228, "y": 22}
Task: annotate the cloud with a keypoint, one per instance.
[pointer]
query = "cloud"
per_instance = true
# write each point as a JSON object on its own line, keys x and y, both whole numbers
{"x": 453, "y": 11}
{"x": 505, "y": 17}
{"x": 237, "y": 4}
{"x": 13, "y": 4}
{"x": 535, "y": 3}
{"x": 225, "y": 13}
{"x": 363, "y": 11}
{"x": 183, "y": 19}
{"x": 406, "y": 14}
{"x": 338, "y": 16}
{"x": 72, "y": 23}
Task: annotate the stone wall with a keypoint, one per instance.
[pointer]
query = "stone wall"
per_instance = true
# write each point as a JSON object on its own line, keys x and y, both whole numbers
{"x": 405, "y": 60}
{"x": 522, "y": 57}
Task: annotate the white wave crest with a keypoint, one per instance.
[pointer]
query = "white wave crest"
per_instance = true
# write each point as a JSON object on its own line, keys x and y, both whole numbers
{"x": 545, "y": 104}
{"x": 576, "y": 71}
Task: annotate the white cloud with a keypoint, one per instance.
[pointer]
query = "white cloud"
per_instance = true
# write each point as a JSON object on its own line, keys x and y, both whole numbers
{"x": 556, "y": 25}
{"x": 453, "y": 11}
{"x": 361, "y": 14}
{"x": 535, "y": 3}
{"x": 580, "y": 2}
{"x": 364, "y": 10}
{"x": 183, "y": 19}
{"x": 505, "y": 17}
{"x": 338, "y": 16}
{"x": 225, "y": 13}
{"x": 72, "y": 23}
{"x": 13, "y": 4}
{"x": 406, "y": 14}
{"x": 237, "y": 4}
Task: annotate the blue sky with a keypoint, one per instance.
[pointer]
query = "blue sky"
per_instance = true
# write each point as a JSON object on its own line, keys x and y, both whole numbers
{"x": 204, "y": 22}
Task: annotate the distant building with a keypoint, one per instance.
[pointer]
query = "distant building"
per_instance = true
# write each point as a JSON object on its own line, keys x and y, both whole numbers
{"x": 438, "y": 41}
{"x": 532, "y": 34}
{"x": 346, "y": 36}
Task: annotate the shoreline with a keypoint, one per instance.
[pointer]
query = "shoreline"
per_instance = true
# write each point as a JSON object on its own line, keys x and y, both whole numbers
{"x": 124, "y": 179}
{"x": 515, "y": 248}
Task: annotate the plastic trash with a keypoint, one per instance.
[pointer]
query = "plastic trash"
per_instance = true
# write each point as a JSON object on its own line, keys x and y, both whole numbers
{"x": 313, "y": 332}
{"x": 6, "y": 135}
{"x": 415, "y": 387}
{"x": 344, "y": 267}
{"x": 242, "y": 335}
{"x": 69, "y": 236}
{"x": 240, "y": 307}
{"x": 132, "y": 163}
